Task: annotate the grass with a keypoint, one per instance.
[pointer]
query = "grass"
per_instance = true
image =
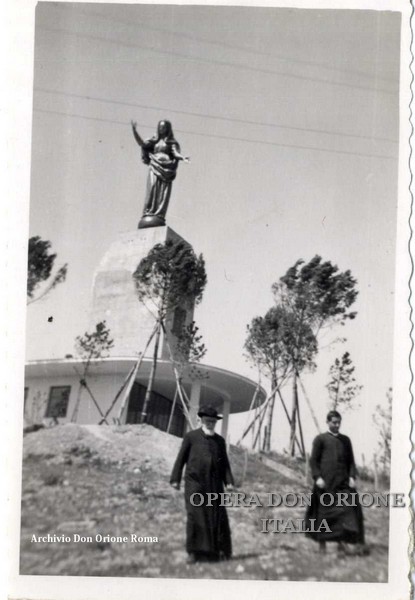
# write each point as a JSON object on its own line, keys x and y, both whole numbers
{"x": 111, "y": 481}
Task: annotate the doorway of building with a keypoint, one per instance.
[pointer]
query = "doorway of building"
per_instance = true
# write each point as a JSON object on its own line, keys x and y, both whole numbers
{"x": 158, "y": 412}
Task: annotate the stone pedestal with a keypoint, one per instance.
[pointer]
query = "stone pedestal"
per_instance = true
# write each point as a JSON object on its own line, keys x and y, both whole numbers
{"x": 115, "y": 299}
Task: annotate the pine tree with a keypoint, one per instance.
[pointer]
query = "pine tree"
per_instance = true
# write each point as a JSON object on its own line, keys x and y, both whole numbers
{"x": 318, "y": 296}
{"x": 39, "y": 269}
{"x": 342, "y": 386}
{"x": 382, "y": 418}
{"x": 171, "y": 275}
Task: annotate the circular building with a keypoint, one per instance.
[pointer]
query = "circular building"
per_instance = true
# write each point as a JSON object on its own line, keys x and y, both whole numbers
{"x": 113, "y": 390}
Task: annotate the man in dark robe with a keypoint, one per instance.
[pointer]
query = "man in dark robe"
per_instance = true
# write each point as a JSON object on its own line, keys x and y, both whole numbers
{"x": 203, "y": 451}
{"x": 334, "y": 472}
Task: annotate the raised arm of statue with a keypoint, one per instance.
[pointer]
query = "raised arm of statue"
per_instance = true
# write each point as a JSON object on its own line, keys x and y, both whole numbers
{"x": 137, "y": 137}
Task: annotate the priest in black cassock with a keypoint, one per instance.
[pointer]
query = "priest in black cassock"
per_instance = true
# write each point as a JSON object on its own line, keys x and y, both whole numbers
{"x": 334, "y": 472}
{"x": 203, "y": 451}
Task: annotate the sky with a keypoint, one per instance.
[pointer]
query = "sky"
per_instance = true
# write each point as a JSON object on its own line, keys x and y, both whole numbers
{"x": 291, "y": 120}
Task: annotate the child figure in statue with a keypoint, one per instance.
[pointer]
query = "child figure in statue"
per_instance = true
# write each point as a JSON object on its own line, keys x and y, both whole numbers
{"x": 162, "y": 154}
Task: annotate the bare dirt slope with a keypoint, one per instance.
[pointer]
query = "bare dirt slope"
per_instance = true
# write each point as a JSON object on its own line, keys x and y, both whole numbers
{"x": 114, "y": 481}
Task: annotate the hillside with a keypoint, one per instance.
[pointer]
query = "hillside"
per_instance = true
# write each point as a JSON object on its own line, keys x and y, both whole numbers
{"x": 114, "y": 481}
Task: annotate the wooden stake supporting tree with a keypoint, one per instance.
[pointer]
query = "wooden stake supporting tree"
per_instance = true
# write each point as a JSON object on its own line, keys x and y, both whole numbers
{"x": 126, "y": 386}
{"x": 279, "y": 346}
{"x": 310, "y": 406}
{"x": 128, "y": 383}
{"x": 264, "y": 348}
{"x": 260, "y": 413}
{"x": 171, "y": 275}
{"x": 179, "y": 387}
{"x": 91, "y": 346}
{"x": 188, "y": 351}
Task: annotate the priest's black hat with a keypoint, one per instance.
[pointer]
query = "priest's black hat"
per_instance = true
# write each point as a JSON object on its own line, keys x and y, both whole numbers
{"x": 208, "y": 411}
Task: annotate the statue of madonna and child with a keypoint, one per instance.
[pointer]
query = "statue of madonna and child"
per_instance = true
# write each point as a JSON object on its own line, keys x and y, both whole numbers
{"x": 162, "y": 154}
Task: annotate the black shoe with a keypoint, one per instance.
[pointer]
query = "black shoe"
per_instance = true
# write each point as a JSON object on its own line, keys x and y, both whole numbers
{"x": 344, "y": 550}
{"x": 362, "y": 550}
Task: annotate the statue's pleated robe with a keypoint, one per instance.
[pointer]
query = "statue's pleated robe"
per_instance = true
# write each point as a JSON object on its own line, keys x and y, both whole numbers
{"x": 207, "y": 470}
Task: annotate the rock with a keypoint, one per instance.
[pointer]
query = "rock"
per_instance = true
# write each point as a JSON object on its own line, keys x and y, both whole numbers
{"x": 33, "y": 428}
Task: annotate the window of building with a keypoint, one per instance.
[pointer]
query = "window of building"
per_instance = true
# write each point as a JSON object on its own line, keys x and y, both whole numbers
{"x": 58, "y": 401}
{"x": 26, "y": 394}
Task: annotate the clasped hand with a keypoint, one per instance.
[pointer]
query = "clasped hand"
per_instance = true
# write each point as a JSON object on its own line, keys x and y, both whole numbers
{"x": 320, "y": 483}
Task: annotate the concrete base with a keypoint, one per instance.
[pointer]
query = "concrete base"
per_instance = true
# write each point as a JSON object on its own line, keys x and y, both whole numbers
{"x": 114, "y": 295}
